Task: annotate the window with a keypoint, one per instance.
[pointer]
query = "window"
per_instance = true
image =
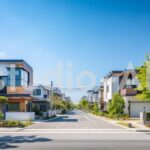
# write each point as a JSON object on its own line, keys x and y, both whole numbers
{"x": 37, "y": 92}
{"x": 107, "y": 88}
{"x": 14, "y": 106}
{"x": 43, "y": 108}
{"x": 18, "y": 78}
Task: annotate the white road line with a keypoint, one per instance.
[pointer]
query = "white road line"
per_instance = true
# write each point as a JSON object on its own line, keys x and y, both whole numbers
{"x": 72, "y": 132}
{"x": 80, "y": 130}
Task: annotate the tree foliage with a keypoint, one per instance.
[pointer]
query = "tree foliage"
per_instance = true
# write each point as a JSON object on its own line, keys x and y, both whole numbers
{"x": 3, "y": 100}
{"x": 142, "y": 73}
{"x": 59, "y": 103}
{"x": 84, "y": 104}
{"x": 117, "y": 105}
{"x": 96, "y": 108}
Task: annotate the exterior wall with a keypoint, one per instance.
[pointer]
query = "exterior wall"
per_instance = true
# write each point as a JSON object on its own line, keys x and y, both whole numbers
{"x": 127, "y": 99}
{"x": 4, "y": 64}
{"x": 42, "y": 93}
{"x": 134, "y": 107}
{"x": 96, "y": 97}
{"x": 113, "y": 83}
{"x": 109, "y": 93}
{"x": 90, "y": 97}
{"x": 20, "y": 116}
{"x": 137, "y": 107}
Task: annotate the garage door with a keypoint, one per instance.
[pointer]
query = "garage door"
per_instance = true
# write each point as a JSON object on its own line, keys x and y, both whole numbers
{"x": 137, "y": 107}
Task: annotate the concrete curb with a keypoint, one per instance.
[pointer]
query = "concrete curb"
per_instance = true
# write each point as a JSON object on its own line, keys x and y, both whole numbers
{"x": 143, "y": 130}
{"x": 107, "y": 120}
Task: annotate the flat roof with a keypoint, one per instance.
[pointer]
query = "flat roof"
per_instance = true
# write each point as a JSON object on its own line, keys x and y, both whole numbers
{"x": 113, "y": 72}
{"x": 14, "y": 61}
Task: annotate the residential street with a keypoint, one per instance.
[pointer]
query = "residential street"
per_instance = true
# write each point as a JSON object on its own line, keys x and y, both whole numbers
{"x": 75, "y": 120}
{"x": 75, "y": 130}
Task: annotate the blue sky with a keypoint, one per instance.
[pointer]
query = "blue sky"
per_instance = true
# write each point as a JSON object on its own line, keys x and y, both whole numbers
{"x": 92, "y": 35}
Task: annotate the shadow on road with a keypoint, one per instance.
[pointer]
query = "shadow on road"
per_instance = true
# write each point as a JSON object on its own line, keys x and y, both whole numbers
{"x": 64, "y": 119}
{"x": 76, "y": 112}
{"x": 7, "y": 142}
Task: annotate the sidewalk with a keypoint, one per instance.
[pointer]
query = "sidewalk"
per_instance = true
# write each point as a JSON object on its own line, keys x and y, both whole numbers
{"x": 134, "y": 121}
{"x": 10, "y": 129}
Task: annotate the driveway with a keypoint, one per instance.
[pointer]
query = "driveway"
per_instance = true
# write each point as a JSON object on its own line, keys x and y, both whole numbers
{"x": 76, "y": 120}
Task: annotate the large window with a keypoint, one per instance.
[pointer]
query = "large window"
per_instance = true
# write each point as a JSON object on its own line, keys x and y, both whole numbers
{"x": 17, "y": 77}
{"x": 14, "y": 106}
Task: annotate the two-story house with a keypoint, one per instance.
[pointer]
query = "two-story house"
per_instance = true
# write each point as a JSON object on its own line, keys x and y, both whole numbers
{"x": 41, "y": 96}
{"x": 123, "y": 82}
{"x": 16, "y": 77}
{"x": 93, "y": 95}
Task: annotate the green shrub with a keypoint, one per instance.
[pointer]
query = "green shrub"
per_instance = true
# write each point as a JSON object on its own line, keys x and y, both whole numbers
{"x": 1, "y": 124}
{"x": 147, "y": 116}
{"x": 16, "y": 124}
{"x": 116, "y": 106}
{"x": 1, "y": 116}
{"x": 11, "y": 123}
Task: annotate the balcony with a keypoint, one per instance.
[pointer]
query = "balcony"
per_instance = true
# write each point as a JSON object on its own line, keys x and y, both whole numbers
{"x": 19, "y": 90}
{"x": 128, "y": 92}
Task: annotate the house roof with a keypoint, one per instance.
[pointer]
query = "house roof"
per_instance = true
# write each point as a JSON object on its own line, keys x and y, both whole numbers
{"x": 126, "y": 73}
{"x": 113, "y": 73}
{"x": 15, "y": 61}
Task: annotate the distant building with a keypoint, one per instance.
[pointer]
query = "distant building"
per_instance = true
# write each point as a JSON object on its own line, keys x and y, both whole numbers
{"x": 94, "y": 95}
{"x": 41, "y": 95}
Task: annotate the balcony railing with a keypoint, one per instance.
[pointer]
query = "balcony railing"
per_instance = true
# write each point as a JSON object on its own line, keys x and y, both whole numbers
{"x": 128, "y": 92}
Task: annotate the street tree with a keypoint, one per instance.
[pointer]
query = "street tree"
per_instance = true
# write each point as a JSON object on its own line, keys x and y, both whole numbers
{"x": 3, "y": 101}
{"x": 142, "y": 73}
{"x": 117, "y": 105}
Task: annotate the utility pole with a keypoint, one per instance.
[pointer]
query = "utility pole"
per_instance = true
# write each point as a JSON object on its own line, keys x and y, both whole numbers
{"x": 51, "y": 98}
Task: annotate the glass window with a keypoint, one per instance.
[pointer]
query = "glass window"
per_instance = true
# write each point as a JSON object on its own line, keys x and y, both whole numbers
{"x": 43, "y": 108}
{"x": 20, "y": 78}
{"x": 37, "y": 92}
{"x": 14, "y": 106}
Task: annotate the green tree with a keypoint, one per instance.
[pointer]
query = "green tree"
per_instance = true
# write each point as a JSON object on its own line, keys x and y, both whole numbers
{"x": 3, "y": 101}
{"x": 84, "y": 104}
{"x": 1, "y": 116}
{"x": 142, "y": 73}
{"x": 96, "y": 108}
{"x": 117, "y": 105}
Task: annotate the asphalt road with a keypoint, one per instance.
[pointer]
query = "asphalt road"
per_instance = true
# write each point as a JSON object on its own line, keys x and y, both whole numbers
{"x": 76, "y": 120}
{"x": 75, "y": 131}
{"x": 75, "y": 141}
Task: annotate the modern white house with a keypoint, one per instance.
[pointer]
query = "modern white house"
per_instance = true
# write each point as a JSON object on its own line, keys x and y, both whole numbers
{"x": 125, "y": 83}
{"x": 94, "y": 95}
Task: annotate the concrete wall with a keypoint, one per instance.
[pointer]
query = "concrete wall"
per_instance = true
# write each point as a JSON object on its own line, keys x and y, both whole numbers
{"x": 20, "y": 116}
